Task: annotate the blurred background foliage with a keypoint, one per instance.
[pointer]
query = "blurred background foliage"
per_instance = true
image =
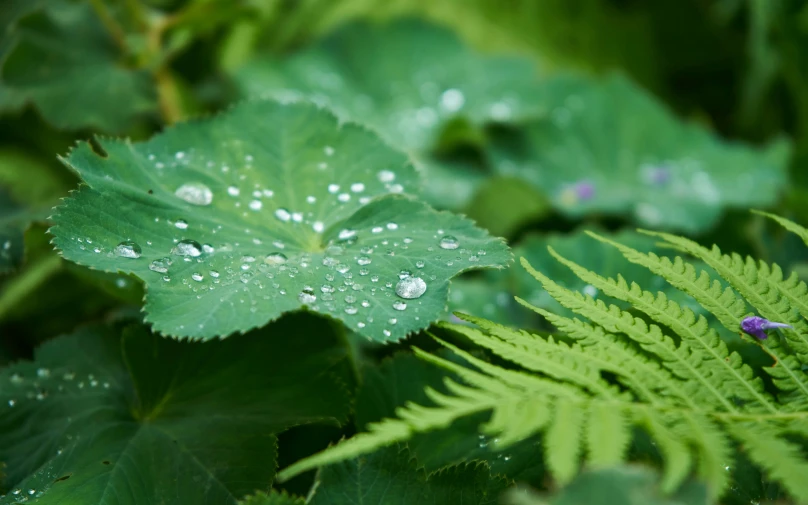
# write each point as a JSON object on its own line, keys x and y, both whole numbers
{"x": 674, "y": 114}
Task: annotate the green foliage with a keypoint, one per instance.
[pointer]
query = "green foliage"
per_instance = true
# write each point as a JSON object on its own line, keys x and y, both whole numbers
{"x": 127, "y": 413}
{"x": 229, "y": 230}
{"x": 624, "y": 485}
{"x": 609, "y": 147}
{"x": 676, "y": 379}
{"x": 64, "y": 61}
{"x": 391, "y": 476}
{"x": 290, "y": 246}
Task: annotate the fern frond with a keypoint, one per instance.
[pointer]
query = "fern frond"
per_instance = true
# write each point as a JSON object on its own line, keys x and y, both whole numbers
{"x": 607, "y": 435}
{"x": 681, "y": 361}
{"x": 698, "y": 339}
{"x": 563, "y": 441}
{"x": 673, "y": 378}
{"x": 642, "y": 375}
{"x": 783, "y": 460}
{"x": 787, "y": 224}
{"x": 762, "y": 287}
{"x": 726, "y": 306}
{"x": 722, "y": 302}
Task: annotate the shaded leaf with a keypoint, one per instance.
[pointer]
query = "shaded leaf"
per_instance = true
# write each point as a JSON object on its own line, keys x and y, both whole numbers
{"x": 233, "y": 221}
{"x": 391, "y": 476}
{"x": 610, "y": 147}
{"x": 623, "y": 485}
{"x": 409, "y": 80}
{"x": 63, "y": 61}
{"x": 140, "y": 417}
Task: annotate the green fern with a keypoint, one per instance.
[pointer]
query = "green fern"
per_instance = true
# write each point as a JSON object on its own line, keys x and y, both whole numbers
{"x": 660, "y": 368}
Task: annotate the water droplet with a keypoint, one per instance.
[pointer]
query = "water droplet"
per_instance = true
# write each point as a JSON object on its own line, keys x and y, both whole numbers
{"x": 197, "y": 276}
{"x": 386, "y": 176}
{"x": 392, "y": 320}
{"x": 411, "y": 287}
{"x": 376, "y": 229}
{"x": 452, "y": 100}
{"x": 419, "y": 264}
{"x": 386, "y": 333}
{"x": 233, "y": 191}
{"x": 43, "y": 373}
{"x": 275, "y": 258}
{"x": 363, "y": 260}
{"x": 195, "y": 193}
{"x": 160, "y": 266}
{"x": 399, "y": 305}
{"x": 181, "y": 224}
{"x": 328, "y": 150}
{"x": 128, "y": 249}
{"x": 449, "y": 242}
{"x": 590, "y": 290}
{"x": 346, "y": 234}
{"x": 357, "y": 187}
{"x": 283, "y": 215}
{"x": 404, "y": 274}
{"x": 365, "y": 303}
{"x": 351, "y": 310}
{"x": 333, "y": 188}
{"x": 392, "y": 226}
{"x": 307, "y": 296}
{"x": 318, "y": 226}
{"x": 214, "y": 274}
{"x": 256, "y": 204}
{"x": 187, "y": 248}
{"x": 207, "y": 248}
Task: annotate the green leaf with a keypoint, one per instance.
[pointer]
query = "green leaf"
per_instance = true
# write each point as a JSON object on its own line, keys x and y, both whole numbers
{"x": 610, "y": 147}
{"x": 273, "y": 498}
{"x": 13, "y": 220}
{"x": 140, "y": 417}
{"x": 233, "y": 221}
{"x": 63, "y": 61}
{"x": 623, "y": 485}
{"x": 392, "y": 477}
{"x": 409, "y": 80}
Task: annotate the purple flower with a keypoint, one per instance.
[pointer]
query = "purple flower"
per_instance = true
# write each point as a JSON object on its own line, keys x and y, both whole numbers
{"x": 756, "y": 326}
{"x": 584, "y": 190}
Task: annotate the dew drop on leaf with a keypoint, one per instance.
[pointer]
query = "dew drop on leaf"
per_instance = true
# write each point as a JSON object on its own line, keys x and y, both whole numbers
{"x": 386, "y": 176}
{"x": 283, "y": 215}
{"x": 307, "y": 295}
{"x": 187, "y": 248}
{"x": 363, "y": 260}
{"x": 275, "y": 258}
{"x": 181, "y": 224}
{"x": 160, "y": 265}
{"x": 399, "y": 305}
{"x": 411, "y": 287}
{"x": 195, "y": 193}
{"x": 449, "y": 242}
{"x": 128, "y": 249}
{"x": 197, "y": 276}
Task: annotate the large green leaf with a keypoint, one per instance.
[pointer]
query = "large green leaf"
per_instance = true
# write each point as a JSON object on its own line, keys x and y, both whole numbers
{"x": 392, "y": 477}
{"x": 609, "y": 147}
{"x": 409, "y": 80}
{"x": 149, "y": 420}
{"x": 623, "y": 485}
{"x": 235, "y": 220}
{"x": 62, "y": 60}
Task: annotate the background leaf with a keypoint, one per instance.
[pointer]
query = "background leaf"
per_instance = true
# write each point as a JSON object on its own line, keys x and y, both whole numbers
{"x": 142, "y": 417}
{"x": 609, "y": 147}
{"x": 390, "y": 476}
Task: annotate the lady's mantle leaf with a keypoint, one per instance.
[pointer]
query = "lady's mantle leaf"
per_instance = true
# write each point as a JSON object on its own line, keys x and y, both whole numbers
{"x": 62, "y": 60}
{"x": 610, "y": 147}
{"x": 391, "y": 476}
{"x": 407, "y": 79}
{"x": 149, "y": 420}
{"x": 412, "y": 82}
{"x": 235, "y": 220}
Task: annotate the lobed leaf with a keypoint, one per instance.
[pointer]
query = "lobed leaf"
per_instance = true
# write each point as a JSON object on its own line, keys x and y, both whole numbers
{"x": 233, "y": 221}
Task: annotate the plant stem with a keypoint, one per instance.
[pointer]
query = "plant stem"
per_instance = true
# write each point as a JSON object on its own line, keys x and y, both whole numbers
{"x": 19, "y": 287}
{"x": 168, "y": 95}
{"x": 115, "y": 30}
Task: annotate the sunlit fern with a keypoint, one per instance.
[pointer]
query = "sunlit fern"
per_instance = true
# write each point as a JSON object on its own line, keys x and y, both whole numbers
{"x": 673, "y": 377}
